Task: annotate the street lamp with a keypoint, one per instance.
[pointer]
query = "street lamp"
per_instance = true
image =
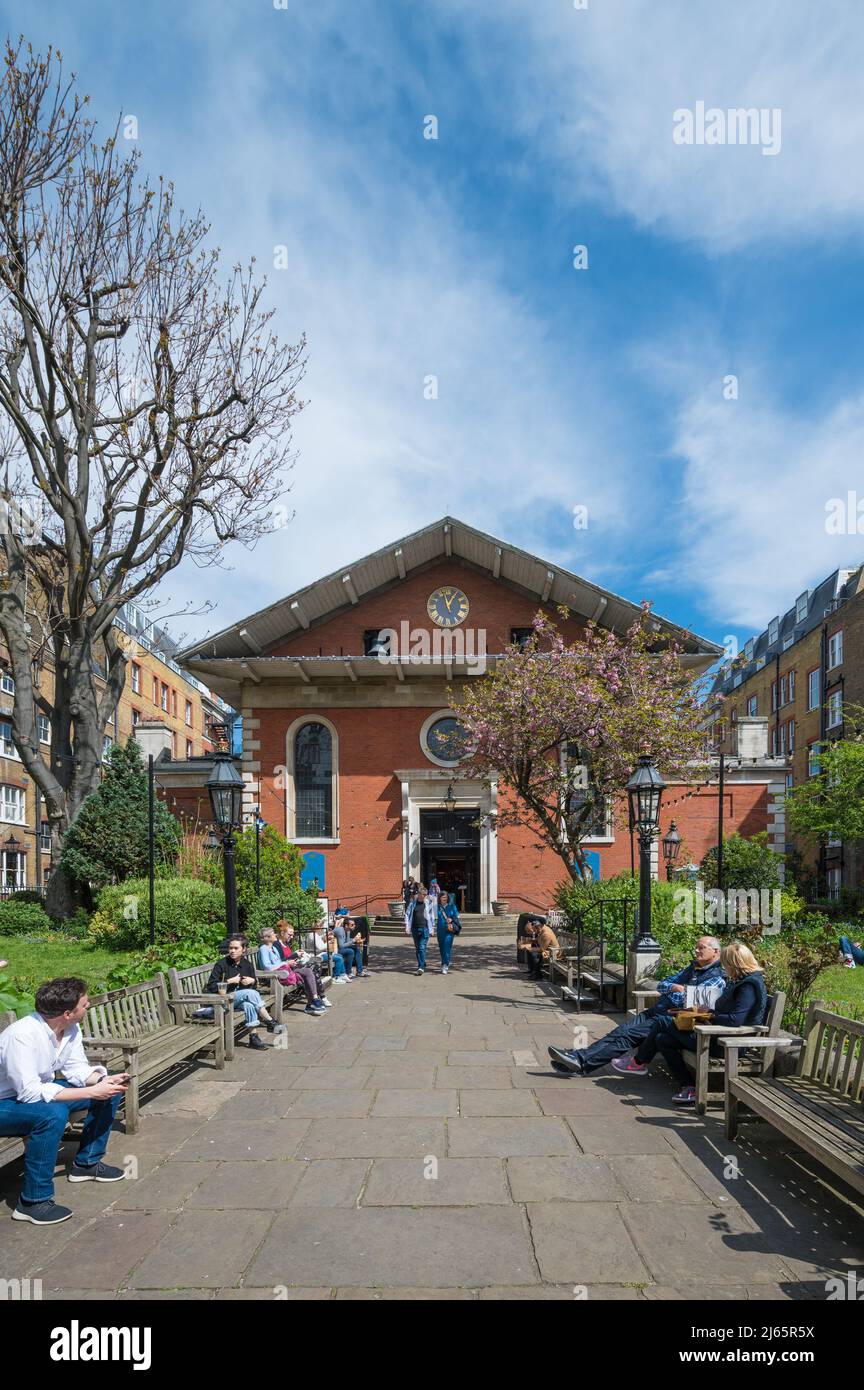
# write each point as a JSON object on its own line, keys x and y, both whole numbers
{"x": 259, "y": 826}
{"x": 644, "y": 792}
{"x": 225, "y": 787}
{"x": 13, "y": 846}
{"x": 671, "y": 848}
{"x": 450, "y": 800}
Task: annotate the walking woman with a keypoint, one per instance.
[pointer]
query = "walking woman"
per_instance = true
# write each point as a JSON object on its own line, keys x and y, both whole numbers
{"x": 420, "y": 919}
{"x": 449, "y": 928}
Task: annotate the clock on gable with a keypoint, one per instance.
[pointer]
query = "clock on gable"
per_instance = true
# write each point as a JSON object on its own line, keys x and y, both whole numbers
{"x": 447, "y": 606}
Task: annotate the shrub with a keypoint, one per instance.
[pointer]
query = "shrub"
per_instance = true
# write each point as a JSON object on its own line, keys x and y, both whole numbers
{"x": 11, "y": 998}
{"x": 281, "y": 864}
{"x": 77, "y": 926}
{"x": 186, "y": 911}
{"x": 27, "y": 895}
{"x": 746, "y": 863}
{"x": 143, "y": 965}
{"x": 793, "y": 959}
{"x": 18, "y": 918}
{"x": 579, "y": 902}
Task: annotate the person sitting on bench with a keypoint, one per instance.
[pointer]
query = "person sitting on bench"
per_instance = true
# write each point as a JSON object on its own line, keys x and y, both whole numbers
{"x": 289, "y": 969}
{"x": 36, "y": 1107}
{"x": 541, "y": 943}
{"x": 744, "y": 1001}
{"x": 236, "y": 974}
{"x": 698, "y": 983}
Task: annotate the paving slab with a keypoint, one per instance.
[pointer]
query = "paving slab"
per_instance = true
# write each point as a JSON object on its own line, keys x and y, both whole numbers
{"x": 166, "y": 1189}
{"x": 371, "y": 1247}
{"x": 375, "y": 1137}
{"x": 654, "y": 1178}
{"x": 416, "y": 1102}
{"x": 720, "y": 1243}
{"x": 503, "y": 1102}
{"x": 402, "y": 1075}
{"x": 254, "y": 1140}
{"x": 278, "y": 1294}
{"x": 193, "y": 1094}
{"x": 260, "y": 1183}
{"x": 406, "y": 1295}
{"x": 331, "y": 1182}
{"x": 255, "y": 1105}
{"x": 601, "y": 1134}
{"x": 107, "y": 1250}
{"x": 502, "y": 1137}
{"x": 578, "y": 1178}
{"x": 348, "y": 1104}
{"x": 450, "y": 1182}
{"x": 580, "y": 1098}
{"x": 333, "y": 1078}
{"x": 206, "y": 1249}
{"x": 585, "y": 1243}
{"x": 473, "y": 1078}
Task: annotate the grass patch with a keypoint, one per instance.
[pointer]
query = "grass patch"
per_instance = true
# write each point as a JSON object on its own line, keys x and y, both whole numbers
{"x": 843, "y": 988}
{"x": 32, "y": 960}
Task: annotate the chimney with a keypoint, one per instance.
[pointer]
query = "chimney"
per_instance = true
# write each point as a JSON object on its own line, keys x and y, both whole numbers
{"x": 152, "y": 736}
{"x": 751, "y": 737}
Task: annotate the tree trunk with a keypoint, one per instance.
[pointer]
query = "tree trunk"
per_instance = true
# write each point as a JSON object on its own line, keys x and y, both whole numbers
{"x": 63, "y": 896}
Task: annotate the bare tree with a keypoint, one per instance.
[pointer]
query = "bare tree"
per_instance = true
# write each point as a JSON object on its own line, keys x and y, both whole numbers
{"x": 145, "y": 413}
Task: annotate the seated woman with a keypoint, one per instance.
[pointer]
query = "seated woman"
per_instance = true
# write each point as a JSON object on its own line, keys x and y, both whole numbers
{"x": 323, "y": 944}
{"x": 289, "y": 969}
{"x": 744, "y": 1001}
{"x": 236, "y": 974}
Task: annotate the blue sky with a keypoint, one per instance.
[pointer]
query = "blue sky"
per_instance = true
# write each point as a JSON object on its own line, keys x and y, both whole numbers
{"x": 408, "y": 257}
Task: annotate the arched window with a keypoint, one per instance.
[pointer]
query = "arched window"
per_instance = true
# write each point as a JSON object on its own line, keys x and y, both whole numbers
{"x": 313, "y": 782}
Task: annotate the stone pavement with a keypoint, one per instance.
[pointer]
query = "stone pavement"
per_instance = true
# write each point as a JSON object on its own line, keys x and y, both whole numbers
{"x": 413, "y": 1144}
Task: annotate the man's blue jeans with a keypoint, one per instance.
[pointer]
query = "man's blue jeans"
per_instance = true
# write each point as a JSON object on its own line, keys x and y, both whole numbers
{"x": 849, "y": 949}
{"x": 421, "y": 937}
{"x": 445, "y": 945}
{"x": 622, "y": 1039}
{"x": 43, "y": 1123}
{"x": 352, "y": 955}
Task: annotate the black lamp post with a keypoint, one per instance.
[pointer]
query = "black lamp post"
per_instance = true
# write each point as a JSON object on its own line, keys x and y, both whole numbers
{"x": 644, "y": 791}
{"x": 671, "y": 848}
{"x": 259, "y": 826}
{"x": 225, "y": 786}
{"x": 13, "y": 846}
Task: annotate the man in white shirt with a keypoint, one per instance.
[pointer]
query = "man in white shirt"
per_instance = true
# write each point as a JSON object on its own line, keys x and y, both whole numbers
{"x": 35, "y": 1106}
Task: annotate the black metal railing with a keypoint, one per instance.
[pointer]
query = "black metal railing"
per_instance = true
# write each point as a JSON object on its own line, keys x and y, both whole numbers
{"x": 593, "y": 927}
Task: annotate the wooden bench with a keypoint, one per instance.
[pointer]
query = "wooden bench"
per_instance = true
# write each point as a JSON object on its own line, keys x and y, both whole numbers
{"x": 819, "y": 1108}
{"x": 700, "y": 1062}
{"x": 141, "y": 1031}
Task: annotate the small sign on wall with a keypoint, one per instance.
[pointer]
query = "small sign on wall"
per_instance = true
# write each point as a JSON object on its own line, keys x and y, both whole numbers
{"x": 313, "y": 873}
{"x": 592, "y": 865}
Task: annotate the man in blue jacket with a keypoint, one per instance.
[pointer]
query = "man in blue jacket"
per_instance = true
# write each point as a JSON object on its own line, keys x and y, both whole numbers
{"x": 700, "y": 982}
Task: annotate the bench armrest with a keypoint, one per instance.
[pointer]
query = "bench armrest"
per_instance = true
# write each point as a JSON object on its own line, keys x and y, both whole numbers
{"x": 107, "y": 1041}
{"x": 199, "y": 999}
{"x": 640, "y": 995}
{"x": 751, "y": 1040}
{"x": 720, "y": 1029}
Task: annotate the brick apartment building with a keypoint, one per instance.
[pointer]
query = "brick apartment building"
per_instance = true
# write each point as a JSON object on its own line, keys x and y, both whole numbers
{"x": 799, "y": 673}
{"x": 348, "y": 754}
{"x": 156, "y": 686}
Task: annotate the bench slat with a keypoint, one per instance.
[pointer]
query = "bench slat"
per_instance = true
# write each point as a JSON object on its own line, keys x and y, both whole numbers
{"x": 821, "y": 1121}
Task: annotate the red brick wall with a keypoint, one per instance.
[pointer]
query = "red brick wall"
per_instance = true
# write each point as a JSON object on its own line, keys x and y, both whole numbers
{"x": 493, "y": 607}
{"x": 369, "y": 858}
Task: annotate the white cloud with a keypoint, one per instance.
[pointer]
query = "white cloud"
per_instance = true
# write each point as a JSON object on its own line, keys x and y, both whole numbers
{"x": 596, "y": 90}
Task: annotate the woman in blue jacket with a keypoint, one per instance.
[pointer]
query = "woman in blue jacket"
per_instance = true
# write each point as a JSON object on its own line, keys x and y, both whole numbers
{"x": 448, "y": 929}
{"x": 744, "y": 1001}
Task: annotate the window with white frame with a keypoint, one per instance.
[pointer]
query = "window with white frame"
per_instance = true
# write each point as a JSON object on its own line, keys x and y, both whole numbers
{"x": 136, "y": 678}
{"x": 43, "y": 728}
{"x": 835, "y": 650}
{"x": 801, "y": 605}
{"x": 813, "y": 688}
{"x": 313, "y": 782}
{"x": 791, "y": 736}
{"x": 45, "y": 836}
{"x": 773, "y": 695}
{"x": 774, "y": 743}
{"x": 7, "y": 747}
{"x": 748, "y": 650}
{"x": 107, "y": 745}
{"x": 782, "y": 739}
{"x": 784, "y": 690}
{"x": 189, "y": 713}
{"x": 813, "y": 760}
{"x": 12, "y": 807}
{"x": 834, "y": 880}
{"x": 753, "y": 705}
{"x": 791, "y": 686}
{"x": 789, "y": 781}
{"x": 7, "y": 683}
{"x": 13, "y": 869}
{"x": 165, "y": 698}
{"x": 835, "y": 709}
{"x": 136, "y": 717}
{"x": 773, "y": 631}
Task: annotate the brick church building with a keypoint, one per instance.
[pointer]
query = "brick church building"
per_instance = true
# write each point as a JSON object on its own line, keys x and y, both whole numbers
{"x": 348, "y": 731}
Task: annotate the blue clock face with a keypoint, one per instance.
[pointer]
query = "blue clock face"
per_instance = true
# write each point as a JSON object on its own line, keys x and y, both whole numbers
{"x": 448, "y": 606}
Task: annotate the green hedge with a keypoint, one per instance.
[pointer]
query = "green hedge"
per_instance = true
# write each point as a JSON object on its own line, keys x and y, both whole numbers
{"x": 19, "y": 918}
{"x": 267, "y": 908}
{"x": 187, "y": 911}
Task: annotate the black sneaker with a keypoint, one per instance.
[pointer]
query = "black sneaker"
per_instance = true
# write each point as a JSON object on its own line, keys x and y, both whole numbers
{"x": 274, "y": 1027}
{"x": 255, "y": 1041}
{"x": 563, "y": 1060}
{"x": 41, "y": 1213}
{"x": 96, "y": 1172}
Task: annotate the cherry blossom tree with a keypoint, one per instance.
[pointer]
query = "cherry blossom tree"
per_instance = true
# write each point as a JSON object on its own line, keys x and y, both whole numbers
{"x": 562, "y": 726}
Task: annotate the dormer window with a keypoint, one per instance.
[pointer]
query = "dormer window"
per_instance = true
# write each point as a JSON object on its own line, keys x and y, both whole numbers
{"x": 801, "y": 605}
{"x": 773, "y": 631}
